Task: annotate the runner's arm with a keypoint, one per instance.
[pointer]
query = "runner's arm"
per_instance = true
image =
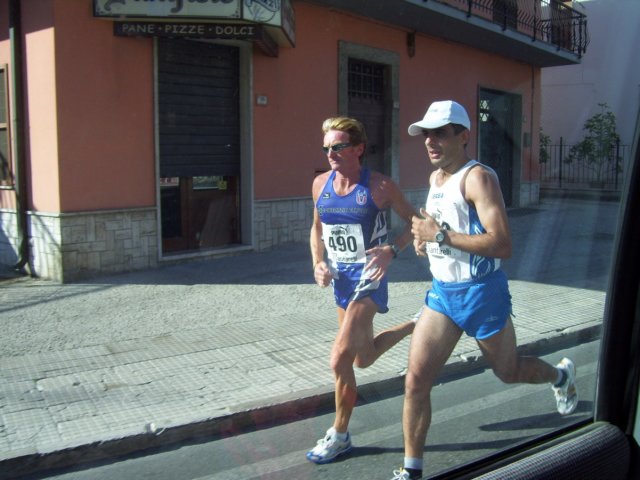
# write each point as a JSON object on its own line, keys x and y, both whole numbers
{"x": 388, "y": 194}
{"x": 321, "y": 271}
{"x": 482, "y": 191}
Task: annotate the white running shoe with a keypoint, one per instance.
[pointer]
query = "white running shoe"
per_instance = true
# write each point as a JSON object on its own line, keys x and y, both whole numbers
{"x": 402, "y": 474}
{"x": 567, "y": 394}
{"x": 329, "y": 448}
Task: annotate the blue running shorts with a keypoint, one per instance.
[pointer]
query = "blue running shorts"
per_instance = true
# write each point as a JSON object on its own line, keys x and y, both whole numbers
{"x": 346, "y": 289}
{"x": 479, "y": 307}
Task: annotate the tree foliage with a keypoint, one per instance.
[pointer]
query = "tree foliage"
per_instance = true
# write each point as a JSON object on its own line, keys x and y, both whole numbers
{"x": 597, "y": 150}
{"x": 545, "y": 141}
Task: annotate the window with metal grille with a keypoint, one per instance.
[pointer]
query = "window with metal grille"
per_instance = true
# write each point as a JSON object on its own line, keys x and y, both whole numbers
{"x": 366, "y": 79}
{"x": 6, "y": 177}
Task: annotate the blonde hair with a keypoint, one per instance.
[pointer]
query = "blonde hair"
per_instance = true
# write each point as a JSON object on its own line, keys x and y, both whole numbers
{"x": 353, "y": 127}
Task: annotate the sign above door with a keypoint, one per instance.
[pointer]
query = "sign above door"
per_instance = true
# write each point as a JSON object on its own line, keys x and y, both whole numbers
{"x": 276, "y": 16}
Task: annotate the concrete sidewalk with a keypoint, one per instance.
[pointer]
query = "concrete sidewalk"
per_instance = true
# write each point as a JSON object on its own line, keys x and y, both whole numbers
{"x": 123, "y": 363}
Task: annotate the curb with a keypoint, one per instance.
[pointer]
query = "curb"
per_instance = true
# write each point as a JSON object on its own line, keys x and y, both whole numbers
{"x": 280, "y": 410}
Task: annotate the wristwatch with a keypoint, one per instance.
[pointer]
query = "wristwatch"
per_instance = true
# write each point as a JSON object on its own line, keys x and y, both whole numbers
{"x": 440, "y": 235}
{"x": 394, "y": 249}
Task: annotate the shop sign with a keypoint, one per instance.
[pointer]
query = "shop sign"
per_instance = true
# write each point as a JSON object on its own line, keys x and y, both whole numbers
{"x": 188, "y": 30}
{"x": 277, "y": 15}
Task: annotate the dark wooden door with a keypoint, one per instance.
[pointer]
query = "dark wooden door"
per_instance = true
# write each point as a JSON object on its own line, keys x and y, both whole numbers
{"x": 496, "y": 137}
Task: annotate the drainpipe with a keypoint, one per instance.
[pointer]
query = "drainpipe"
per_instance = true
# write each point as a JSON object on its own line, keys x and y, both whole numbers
{"x": 17, "y": 137}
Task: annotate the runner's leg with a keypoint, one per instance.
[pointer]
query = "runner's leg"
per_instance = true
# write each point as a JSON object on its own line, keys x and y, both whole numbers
{"x": 500, "y": 352}
{"x": 434, "y": 338}
{"x": 355, "y": 334}
{"x": 383, "y": 342}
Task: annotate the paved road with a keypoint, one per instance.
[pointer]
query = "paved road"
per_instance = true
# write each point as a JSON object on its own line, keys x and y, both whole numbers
{"x": 130, "y": 361}
{"x": 474, "y": 415}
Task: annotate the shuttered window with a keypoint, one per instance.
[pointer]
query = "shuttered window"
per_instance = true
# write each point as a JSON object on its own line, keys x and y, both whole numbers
{"x": 198, "y": 102}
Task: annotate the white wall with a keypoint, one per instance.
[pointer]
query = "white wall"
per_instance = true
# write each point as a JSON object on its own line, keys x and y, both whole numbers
{"x": 609, "y": 73}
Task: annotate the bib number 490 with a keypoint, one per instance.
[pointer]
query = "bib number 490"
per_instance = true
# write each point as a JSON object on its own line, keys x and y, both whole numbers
{"x": 343, "y": 244}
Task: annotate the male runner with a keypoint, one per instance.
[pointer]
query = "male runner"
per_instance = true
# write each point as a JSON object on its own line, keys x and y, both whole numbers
{"x": 349, "y": 225}
{"x": 465, "y": 233}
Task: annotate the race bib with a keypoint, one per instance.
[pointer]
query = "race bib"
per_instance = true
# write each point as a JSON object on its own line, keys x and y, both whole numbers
{"x": 344, "y": 243}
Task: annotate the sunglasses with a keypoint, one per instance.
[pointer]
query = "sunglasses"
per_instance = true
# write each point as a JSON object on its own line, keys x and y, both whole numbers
{"x": 336, "y": 148}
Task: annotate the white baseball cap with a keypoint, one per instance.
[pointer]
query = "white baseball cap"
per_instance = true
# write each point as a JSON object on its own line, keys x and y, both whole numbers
{"x": 440, "y": 114}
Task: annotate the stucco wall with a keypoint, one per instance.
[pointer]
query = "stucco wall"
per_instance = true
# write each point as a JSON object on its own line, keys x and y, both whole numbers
{"x": 89, "y": 110}
{"x": 105, "y": 113}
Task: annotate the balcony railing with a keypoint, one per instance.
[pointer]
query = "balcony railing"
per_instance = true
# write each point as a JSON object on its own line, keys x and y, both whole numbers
{"x": 550, "y": 21}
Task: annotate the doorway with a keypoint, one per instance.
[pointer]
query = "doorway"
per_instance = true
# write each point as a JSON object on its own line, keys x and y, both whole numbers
{"x": 366, "y": 94}
{"x": 498, "y": 131}
{"x": 199, "y": 144}
{"x": 369, "y": 90}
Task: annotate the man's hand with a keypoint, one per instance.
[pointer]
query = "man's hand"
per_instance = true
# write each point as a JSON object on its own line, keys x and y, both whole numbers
{"x": 381, "y": 258}
{"x": 322, "y": 274}
{"x": 420, "y": 248}
{"x": 424, "y": 229}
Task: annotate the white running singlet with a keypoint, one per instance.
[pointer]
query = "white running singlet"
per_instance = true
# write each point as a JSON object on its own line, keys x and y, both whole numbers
{"x": 448, "y": 207}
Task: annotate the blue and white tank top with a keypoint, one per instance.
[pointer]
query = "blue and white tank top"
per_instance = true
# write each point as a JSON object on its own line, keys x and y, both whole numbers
{"x": 351, "y": 224}
{"x": 448, "y": 207}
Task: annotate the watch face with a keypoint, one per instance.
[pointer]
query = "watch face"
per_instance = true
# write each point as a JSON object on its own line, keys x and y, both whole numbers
{"x": 439, "y": 237}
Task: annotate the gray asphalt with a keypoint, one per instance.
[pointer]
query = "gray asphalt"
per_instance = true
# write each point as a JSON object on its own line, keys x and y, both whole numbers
{"x": 123, "y": 363}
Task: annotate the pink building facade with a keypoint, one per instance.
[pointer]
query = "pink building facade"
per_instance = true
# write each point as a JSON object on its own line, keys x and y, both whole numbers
{"x": 145, "y": 137}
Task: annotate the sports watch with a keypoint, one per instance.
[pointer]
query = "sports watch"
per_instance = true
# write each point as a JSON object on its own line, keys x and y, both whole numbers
{"x": 440, "y": 235}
